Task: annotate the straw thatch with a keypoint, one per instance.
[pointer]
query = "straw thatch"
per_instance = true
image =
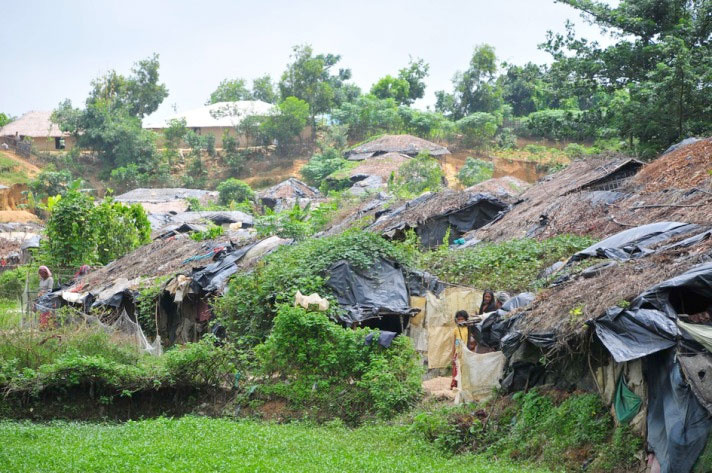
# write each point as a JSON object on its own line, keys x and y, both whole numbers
{"x": 564, "y": 309}
{"x": 158, "y": 258}
{"x": 382, "y": 166}
{"x": 600, "y": 197}
{"x": 35, "y": 124}
{"x": 404, "y": 144}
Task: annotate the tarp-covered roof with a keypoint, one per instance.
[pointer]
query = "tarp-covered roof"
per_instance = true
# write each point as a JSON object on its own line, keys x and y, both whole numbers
{"x": 158, "y": 195}
{"x": 432, "y": 214}
{"x": 405, "y": 144}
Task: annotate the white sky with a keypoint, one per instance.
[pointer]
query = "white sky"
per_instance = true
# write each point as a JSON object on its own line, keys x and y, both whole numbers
{"x": 52, "y": 49}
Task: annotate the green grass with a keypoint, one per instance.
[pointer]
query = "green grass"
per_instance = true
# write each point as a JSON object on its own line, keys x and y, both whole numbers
{"x": 10, "y": 313}
{"x": 193, "y": 444}
{"x": 12, "y": 172}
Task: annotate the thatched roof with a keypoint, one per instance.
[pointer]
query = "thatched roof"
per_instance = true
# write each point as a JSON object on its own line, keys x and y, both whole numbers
{"x": 405, "y": 144}
{"x": 602, "y": 196}
{"x": 291, "y": 188}
{"x": 503, "y": 187}
{"x": 381, "y": 166}
{"x": 432, "y": 213}
{"x": 158, "y": 258}
{"x": 35, "y": 124}
{"x": 221, "y": 114}
{"x": 168, "y": 194}
{"x": 564, "y": 309}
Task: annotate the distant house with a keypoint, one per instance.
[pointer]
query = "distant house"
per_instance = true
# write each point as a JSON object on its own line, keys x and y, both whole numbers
{"x": 216, "y": 119}
{"x": 37, "y": 127}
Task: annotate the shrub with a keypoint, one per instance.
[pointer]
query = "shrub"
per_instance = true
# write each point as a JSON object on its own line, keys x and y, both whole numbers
{"x": 50, "y": 182}
{"x": 78, "y": 232}
{"x": 233, "y": 158}
{"x": 76, "y": 356}
{"x": 418, "y": 175}
{"x": 320, "y": 359}
{"x": 211, "y": 233}
{"x": 248, "y": 307}
{"x": 321, "y": 165}
{"x": 478, "y": 129}
{"x": 234, "y": 190}
{"x": 475, "y": 171}
{"x": 199, "y": 364}
{"x": 512, "y": 265}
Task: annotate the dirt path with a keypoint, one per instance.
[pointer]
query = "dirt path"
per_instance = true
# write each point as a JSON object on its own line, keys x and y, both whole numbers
{"x": 27, "y": 166}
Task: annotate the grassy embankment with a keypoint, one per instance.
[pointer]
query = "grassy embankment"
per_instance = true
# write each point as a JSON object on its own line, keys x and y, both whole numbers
{"x": 194, "y": 444}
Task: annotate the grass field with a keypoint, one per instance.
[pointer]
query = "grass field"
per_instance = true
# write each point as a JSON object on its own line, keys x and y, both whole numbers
{"x": 194, "y": 444}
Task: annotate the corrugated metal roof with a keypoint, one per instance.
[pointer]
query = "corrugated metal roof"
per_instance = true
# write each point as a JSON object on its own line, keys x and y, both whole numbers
{"x": 221, "y": 114}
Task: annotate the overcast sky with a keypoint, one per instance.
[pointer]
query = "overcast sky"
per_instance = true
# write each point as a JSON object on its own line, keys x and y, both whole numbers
{"x": 52, "y": 49}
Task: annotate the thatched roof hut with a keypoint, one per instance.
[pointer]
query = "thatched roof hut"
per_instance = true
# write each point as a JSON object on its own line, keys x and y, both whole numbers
{"x": 404, "y": 144}
{"x": 602, "y": 196}
{"x": 432, "y": 214}
{"x": 35, "y": 124}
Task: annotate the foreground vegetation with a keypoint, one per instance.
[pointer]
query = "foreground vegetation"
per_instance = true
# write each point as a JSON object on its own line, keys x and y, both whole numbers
{"x": 218, "y": 445}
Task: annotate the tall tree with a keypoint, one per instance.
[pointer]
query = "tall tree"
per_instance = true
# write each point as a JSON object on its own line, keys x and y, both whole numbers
{"x": 230, "y": 90}
{"x": 475, "y": 89}
{"x": 110, "y": 123}
{"x": 263, "y": 89}
{"x": 662, "y": 56}
{"x": 415, "y": 73}
{"x": 524, "y": 88}
{"x": 309, "y": 77}
{"x": 390, "y": 87}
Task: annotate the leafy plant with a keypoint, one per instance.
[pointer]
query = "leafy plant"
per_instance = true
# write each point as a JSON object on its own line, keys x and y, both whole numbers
{"x": 475, "y": 171}
{"x": 234, "y": 190}
{"x": 251, "y": 302}
{"x": 314, "y": 352}
{"x": 418, "y": 175}
{"x": 211, "y": 233}
{"x": 512, "y": 265}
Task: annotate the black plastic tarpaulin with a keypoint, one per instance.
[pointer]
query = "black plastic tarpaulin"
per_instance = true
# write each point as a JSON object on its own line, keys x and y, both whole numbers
{"x": 480, "y": 210}
{"x": 635, "y": 242}
{"x": 632, "y": 334}
{"x": 678, "y": 425}
{"x": 648, "y": 325}
{"x": 371, "y": 292}
{"x": 214, "y": 276}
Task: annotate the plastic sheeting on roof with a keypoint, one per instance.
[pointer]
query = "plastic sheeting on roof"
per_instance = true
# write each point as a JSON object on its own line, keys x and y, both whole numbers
{"x": 648, "y": 325}
{"x": 477, "y": 211}
{"x": 634, "y": 242}
{"x": 369, "y": 293}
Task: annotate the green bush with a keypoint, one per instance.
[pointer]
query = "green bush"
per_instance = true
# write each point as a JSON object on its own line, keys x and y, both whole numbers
{"x": 557, "y": 430}
{"x": 512, "y": 265}
{"x": 417, "y": 175}
{"x": 234, "y": 190}
{"x": 475, "y": 171}
{"x": 79, "y": 232}
{"x": 75, "y": 356}
{"x": 50, "y": 181}
{"x": 199, "y": 364}
{"x": 248, "y": 307}
{"x": 321, "y": 165}
{"x": 12, "y": 283}
{"x": 211, "y": 233}
{"x": 322, "y": 361}
{"x": 478, "y": 129}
